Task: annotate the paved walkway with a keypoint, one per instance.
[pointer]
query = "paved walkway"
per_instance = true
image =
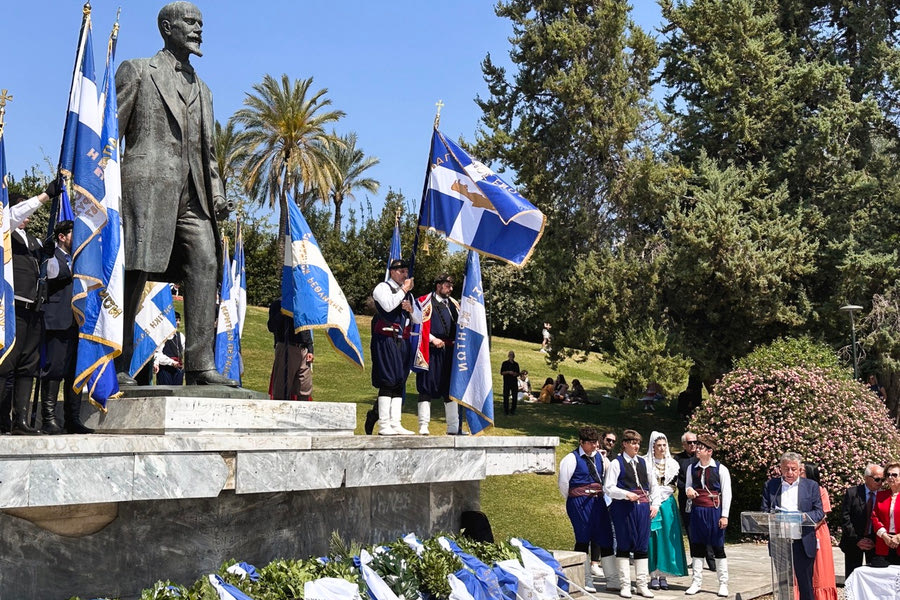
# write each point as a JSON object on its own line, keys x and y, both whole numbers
{"x": 749, "y": 576}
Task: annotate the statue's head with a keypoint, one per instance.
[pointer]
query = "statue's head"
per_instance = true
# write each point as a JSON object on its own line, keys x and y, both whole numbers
{"x": 181, "y": 27}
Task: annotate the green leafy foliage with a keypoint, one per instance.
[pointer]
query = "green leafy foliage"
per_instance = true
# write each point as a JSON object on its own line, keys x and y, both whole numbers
{"x": 642, "y": 356}
{"x": 788, "y": 352}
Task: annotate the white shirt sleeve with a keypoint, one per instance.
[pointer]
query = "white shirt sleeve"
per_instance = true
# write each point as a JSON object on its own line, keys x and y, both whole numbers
{"x": 688, "y": 480}
{"x": 386, "y": 297}
{"x": 23, "y": 210}
{"x": 725, "y": 483}
{"x": 566, "y": 469}
{"x": 655, "y": 493}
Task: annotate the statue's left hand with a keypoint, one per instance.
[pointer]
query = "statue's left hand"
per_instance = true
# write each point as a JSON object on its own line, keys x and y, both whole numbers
{"x": 223, "y": 207}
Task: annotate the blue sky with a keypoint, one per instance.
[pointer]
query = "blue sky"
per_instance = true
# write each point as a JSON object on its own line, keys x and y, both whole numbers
{"x": 385, "y": 64}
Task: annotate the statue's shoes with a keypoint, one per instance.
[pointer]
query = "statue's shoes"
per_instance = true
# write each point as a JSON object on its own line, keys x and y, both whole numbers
{"x": 208, "y": 377}
{"x": 125, "y": 379}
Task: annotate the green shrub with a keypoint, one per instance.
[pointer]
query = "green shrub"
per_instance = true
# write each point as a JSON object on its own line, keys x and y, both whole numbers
{"x": 642, "y": 356}
{"x": 792, "y": 352}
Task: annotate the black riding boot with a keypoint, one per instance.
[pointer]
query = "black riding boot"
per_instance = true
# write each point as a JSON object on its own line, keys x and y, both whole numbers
{"x": 5, "y": 405}
{"x": 73, "y": 412}
{"x": 49, "y": 395}
{"x": 21, "y": 406}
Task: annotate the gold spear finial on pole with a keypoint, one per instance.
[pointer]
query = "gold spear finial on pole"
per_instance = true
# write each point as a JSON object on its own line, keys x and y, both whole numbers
{"x": 4, "y": 98}
{"x": 86, "y": 9}
{"x": 437, "y": 116}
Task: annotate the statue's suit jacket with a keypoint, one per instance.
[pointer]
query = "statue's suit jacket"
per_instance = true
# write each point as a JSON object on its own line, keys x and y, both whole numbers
{"x": 158, "y": 158}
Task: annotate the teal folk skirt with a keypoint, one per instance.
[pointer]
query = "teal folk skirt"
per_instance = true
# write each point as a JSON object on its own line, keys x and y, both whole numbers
{"x": 666, "y": 543}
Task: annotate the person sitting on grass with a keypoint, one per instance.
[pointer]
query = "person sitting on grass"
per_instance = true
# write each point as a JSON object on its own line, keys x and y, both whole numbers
{"x": 546, "y": 396}
{"x": 578, "y": 395}
{"x": 561, "y": 393}
{"x": 524, "y": 388}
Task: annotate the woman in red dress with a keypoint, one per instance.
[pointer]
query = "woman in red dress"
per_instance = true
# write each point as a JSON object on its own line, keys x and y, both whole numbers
{"x": 886, "y": 519}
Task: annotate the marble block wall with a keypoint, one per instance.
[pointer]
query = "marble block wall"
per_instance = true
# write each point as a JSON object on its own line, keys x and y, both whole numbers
{"x": 185, "y": 539}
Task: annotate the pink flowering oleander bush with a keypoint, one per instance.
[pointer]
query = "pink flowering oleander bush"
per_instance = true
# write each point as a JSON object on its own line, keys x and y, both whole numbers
{"x": 758, "y": 414}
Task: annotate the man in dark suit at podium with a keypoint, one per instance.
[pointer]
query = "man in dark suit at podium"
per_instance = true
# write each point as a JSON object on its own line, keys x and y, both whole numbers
{"x": 790, "y": 492}
{"x": 857, "y": 536}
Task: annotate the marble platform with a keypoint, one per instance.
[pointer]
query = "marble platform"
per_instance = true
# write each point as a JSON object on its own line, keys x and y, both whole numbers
{"x": 109, "y": 514}
{"x": 155, "y": 412}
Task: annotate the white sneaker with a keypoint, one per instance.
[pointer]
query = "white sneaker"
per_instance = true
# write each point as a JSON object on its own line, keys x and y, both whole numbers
{"x": 723, "y": 590}
{"x": 596, "y": 571}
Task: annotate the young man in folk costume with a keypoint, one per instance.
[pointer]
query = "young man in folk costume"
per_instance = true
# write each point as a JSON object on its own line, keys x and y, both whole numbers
{"x": 434, "y": 356}
{"x": 581, "y": 484}
{"x": 635, "y": 501}
{"x": 708, "y": 489}
{"x": 390, "y": 346}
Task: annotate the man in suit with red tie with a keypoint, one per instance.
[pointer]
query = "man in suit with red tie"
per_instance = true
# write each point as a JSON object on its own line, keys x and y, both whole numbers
{"x": 857, "y": 536}
{"x": 790, "y": 492}
{"x": 171, "y": 189}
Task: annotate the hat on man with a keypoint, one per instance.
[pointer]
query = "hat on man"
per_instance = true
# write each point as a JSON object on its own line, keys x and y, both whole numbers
{"x": 443, "y": 278}
{"x": 707, "y": 440}
{"x": 399, "y": 263}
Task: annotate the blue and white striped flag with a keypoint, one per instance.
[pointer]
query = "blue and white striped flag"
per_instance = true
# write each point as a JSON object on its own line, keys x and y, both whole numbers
{"x": 225, "y": 590}
{"x": 228, "y": 337}
{"x": 239, "y": 278}
{"x": 154, "y": 323}
{"x": 470, "y": 371}
{"x": 90, "y": 156}
{"x": 310, "y": 293}
{"x": 473, "y": 207}
{"x": 7, "y": 301}
{"x": 395, "y": 252}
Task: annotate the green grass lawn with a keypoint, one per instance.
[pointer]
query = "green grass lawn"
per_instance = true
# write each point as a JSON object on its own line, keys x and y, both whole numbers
{"x": 524, "y": 505}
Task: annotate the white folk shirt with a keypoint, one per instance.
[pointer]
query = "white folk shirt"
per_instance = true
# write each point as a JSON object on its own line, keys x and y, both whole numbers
{"x": 567, "y": 469}
{"x": 614, "y": 492}
{"x": 724, "y": 483}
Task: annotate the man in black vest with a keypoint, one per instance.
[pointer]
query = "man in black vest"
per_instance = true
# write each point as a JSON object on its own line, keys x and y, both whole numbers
{"x": 61, "y": 338}
{"x": 22, "y": 361}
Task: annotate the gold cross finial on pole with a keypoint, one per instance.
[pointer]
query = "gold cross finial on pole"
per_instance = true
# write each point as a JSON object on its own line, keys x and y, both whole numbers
{"x": 437, "y": 116}
{"x": 397, "y": 214}
{"x": 4, "y": 98}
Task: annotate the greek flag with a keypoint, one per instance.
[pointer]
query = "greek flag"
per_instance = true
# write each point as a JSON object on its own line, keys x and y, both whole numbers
{"x": 239, "y": 279}
{"x": 228, "y": 337}
{"x": 310, "y": 293}
{"x": 7, "y": 302}
{"x": 470, "y": 371}
{"x": 473, "y": 207}
{"x": 225, "y": 590}
{"x": 395, "y": 252}
{"x": 154, "y": 323}
{"x": 90, "y": 157}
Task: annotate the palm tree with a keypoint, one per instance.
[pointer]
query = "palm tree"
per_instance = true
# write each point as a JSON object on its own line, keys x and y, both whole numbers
{"x": 350, "y": 163}
{"x": 230, "y": 151}
{"x": 286, "y": 142}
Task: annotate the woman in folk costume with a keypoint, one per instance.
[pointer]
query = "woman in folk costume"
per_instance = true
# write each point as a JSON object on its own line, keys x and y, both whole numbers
{"x": 666, "y": 543}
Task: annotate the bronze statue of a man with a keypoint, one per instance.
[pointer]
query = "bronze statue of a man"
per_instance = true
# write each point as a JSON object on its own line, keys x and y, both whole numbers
{"x": 171, "y": 189}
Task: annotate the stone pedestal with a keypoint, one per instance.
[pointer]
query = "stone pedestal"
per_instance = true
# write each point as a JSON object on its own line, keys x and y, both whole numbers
{"x": 107, "y": 515}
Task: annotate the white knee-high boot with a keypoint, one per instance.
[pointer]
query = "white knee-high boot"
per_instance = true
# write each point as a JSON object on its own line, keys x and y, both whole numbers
{"x": 396, "y": 406}
{"x": 452, "y": 411}
{"x": 384, "y": 416}
{"x": 642, "y": 576}
{"x": 611, "y": 572}
{"x": 722, "y": 572}
{"x": 624, "y": 568}
{"x": 697, "y": 579}
{"x": 588, "y": 576}
{"x": 424, "y": 417}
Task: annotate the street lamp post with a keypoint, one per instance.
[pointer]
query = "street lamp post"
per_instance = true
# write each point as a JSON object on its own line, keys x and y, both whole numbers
{"x": 852, "y": 308}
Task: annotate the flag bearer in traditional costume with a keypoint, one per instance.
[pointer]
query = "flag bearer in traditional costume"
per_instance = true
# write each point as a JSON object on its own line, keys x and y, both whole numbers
{"x": 61, "y": 338}
{"x": 440, "y": 314}
{"x": 708, "y": 488}
{"x": 581, "y": 484}
{"x": 666, "y": 544}
{"x": 391, "y": 361}
{"x": 635, "y": 501}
